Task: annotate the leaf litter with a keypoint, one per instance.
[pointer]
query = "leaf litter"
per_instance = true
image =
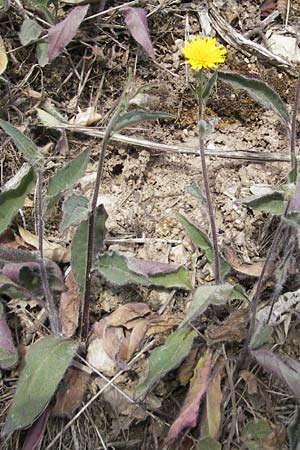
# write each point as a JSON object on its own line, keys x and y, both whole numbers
{"x": 138, "y": 216}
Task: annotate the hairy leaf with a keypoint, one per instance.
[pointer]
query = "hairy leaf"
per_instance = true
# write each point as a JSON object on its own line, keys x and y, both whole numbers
{"x": 48, "y": 119}
{"x": 273, "y": 203}
{"x": 294, "y": 431}
{"x": 75, "y": 209}
{"x": 66, "y": 177}
{"x": 136, "y": 21}
{"x": 61, "y": 34}
{"x": 167, "y": 357}
{"x": 202, "y": 241}
{"x": 30, "y": 31}
{"x": 208, "y": 443}
{"x": 79, "y": 245}
{"x": 137, "y": 116}
{"x": 23, "y": 143}
{"x": 189, "y": 411}
{"x": 122, "y": 270}
{"x": 13, "y": 199}
{"x": 45, "y": 365}
{"x": 209, "y": 295}
{"x": 41, "y": 6}
{"x": 8, "y": 352}
{"x": 260, "y": 91}
{"x": 283, "y": 367}
{"x": 42, "y": 53}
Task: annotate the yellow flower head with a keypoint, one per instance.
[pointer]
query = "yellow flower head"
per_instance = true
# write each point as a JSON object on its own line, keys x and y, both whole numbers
{"x": 203, "y": 53}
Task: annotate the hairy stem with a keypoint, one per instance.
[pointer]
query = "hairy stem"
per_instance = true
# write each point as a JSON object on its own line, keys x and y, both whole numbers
{"x": 52, "y": 311}
{"x": 276, "y": 240}
{"x": 84, "y": 323}
{"x": 210, "y": 213}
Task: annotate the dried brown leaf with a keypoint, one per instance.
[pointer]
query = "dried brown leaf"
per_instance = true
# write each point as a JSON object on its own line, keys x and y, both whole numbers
{"x": 3, "y": 57}
{"x": 71, "y": 392}
{"x": 69, "y": 306}
{"x": 250, "y": 380}
{"x": 99, "y": 359}
{"x": 213, "y": 402}
{"x": 55, "y": 252}
{"x": 233, "y": 329}
{"x": 127, "y": 313}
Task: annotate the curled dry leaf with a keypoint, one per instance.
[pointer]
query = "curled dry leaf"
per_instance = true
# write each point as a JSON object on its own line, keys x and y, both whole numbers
{"x": 9, "y": 239}
{"x": 250, "y": 380}
{"x": 125, "y": 314}
{"x": 53, "y": 251}
{"x": 214, "y": 400}
{"x": 87, "y": 117}
{"x": 69, "y": 306}
{"x": 3, "y": 57}
{"x": 122, "y": 406}
{"x": 248, "y": 270}
{"x": 98, "y": 358}
{"x": 71, "y": 392}
{"x": 233, "y": 329}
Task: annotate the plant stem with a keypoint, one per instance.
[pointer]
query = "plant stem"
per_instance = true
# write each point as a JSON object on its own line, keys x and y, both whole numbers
{"x": 210, "y": 213}
{"x": 276, "y": 240}
{"x": 84, "y": 323}
{"x": 52, "y": 311}
{"x": 210, "y": 210}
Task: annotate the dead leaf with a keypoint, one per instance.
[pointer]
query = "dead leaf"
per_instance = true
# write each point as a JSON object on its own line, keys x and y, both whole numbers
{"x": 122, "y": 406}
{"x": 3, "y": 57}
{"x": 69, "y": 306}
{"x": 186, "y": 369}
{"x": 61, "y": 34}
{"x": 87, "y": 117}
{"x": 9, "y": 239}
{"x": 52, "y": 251}
{"x": 70, "y": 392}
{"x": 99, "y": 359}
{"x": 133, "y": 342}
{"x": 161, "y": 324}
{"x": 233, "y": 329}
{"x": 125, "y": 314}
{"x": 250, "y": 380}
{"x": 189, "y": 411}
{"x": 213, "y": 402}
{"x": 136, "y": 21}
{"x": 249, "y": 270}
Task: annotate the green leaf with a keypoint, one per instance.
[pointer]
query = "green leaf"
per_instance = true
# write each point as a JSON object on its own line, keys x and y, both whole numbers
{"x": 260, "y": 336}
{"x": 209, "y": 295}
{"x": 195, "y": 190}
{"x": 42, "y": 53}
{"x": 41, "y": 6}
{"x": 208, "y": 443}
{"x": 260, "y": 91}
{"x": 167, "y": 357}
{"x": 66, "y": 177}
{"x": 45, "y": 365}
{"x": 122, "y": 270}
{"x": 75, "y": 209}
{"x": 292, "y": 176}
{"x": 201, "y": 240}
{"x": 23, "y": 143}
{"x": 294, "y": 431}
{"x": 273, "y": 203}
{"x": 48, "y": 119}
{"x": 13, "y": 199}
{"x": 256, "y": 429}
{"x": 209, "y": 86}
{"x": 137, "y": 116}
{"x": 79, "y": 245}
{"x": 30, "y": 31}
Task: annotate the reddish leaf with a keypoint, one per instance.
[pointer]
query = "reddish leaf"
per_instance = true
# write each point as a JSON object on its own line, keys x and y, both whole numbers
{"x": 71, "y": 392}
{"x": 69, "y": 306}
{"x": 283, "y": 367}
{"x": 9, "y": 239}
{"x": 8, "y": 352}
{"x": 198, "y": 386}
{"x": 136, "y": 21}
{"x": 61, "y": 34}
{"x": 36, "y": 432}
